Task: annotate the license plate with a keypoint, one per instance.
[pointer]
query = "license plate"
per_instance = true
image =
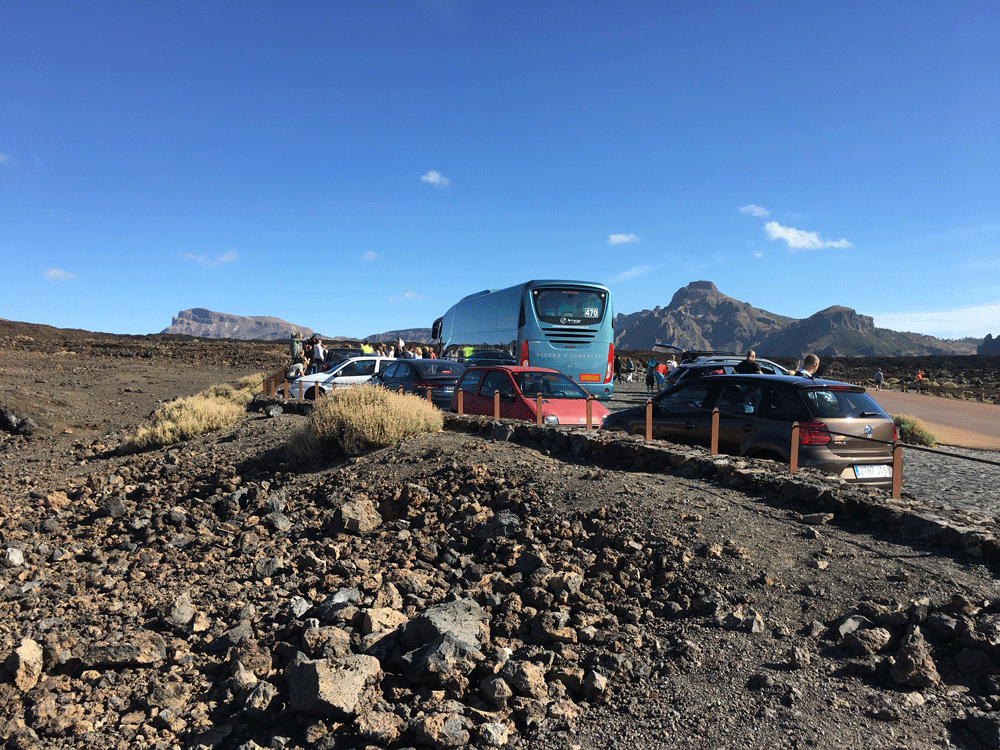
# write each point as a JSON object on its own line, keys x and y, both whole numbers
{"x": 590, "y": 378}
{"x": 873, "y": 472}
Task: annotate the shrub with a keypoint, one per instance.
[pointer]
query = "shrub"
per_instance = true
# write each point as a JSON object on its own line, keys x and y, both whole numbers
{"x": 214, "y": 409}
{"x": 353, "y": 421}
{"x": 912, "y": 431}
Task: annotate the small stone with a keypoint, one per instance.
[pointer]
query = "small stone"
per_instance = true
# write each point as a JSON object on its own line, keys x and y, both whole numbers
{"x": 914, "y": 665}
{"x": 26, "y": 664}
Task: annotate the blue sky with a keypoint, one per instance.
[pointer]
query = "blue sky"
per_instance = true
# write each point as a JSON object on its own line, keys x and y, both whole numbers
{"x": 357, "y": 167}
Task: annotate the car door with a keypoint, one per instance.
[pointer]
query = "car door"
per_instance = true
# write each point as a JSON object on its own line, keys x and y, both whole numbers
{"x": 352, "y": 372}
{"x": 737, "y": 403}
{"x": 497, "y": 381}
{"x": 397, "y": 375}
{"x": 467, "y": 386}
{"x": 681, "y": 414}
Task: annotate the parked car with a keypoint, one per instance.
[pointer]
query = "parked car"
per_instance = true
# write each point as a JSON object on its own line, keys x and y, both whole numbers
{"x": 343, "y": 374}
{"x": 418, "y": 375}
{"x": 841, "y": 428}
{"x": 717, "y": 364}
{"x": 563, "y": 401}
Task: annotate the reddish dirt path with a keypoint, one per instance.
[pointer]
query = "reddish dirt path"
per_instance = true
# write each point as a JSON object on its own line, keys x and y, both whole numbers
{"x": 966, "y": 424}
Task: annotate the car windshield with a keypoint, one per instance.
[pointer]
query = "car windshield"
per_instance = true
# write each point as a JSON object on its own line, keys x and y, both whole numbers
{"x": 548, "y": 384}
{"x": 840, "y": 404}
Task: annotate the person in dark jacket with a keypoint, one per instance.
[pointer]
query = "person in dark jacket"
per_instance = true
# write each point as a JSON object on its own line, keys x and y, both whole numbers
{"x": 749, "y": 365}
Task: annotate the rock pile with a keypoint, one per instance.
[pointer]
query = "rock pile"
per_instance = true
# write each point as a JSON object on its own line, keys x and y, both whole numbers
{"x": 463, "y": 590}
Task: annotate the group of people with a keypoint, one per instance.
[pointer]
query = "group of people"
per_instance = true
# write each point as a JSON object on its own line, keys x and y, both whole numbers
{"x": 657, "y": 372}
{"x": 624, "y": 369}
{"x": 308, "y": 355}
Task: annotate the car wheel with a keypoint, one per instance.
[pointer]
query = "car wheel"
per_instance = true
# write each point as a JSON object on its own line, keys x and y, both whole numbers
{"x": 311, "y": 393}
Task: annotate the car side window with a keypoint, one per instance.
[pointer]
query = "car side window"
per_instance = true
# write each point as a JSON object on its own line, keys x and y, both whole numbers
{"x": 735, "y": 400}
{"x": 469, "y": 381}
{"x": 405, "y": 372}
{"x": 685, "y": 400}
{"x": 351, "y": 368}
{"x": 391, "y": 370}
{"x": 366, "y": 367}
{"x": 496, "y": 381}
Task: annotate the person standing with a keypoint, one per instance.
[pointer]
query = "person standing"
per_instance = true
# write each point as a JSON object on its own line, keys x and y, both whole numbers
{"x": 879, "y": 377}
{"x": 809, "y": 366}
{"x": 618, "y": 368}
{"x": 316, "y": 360}
{"x": 650, "y": 369}
{"x": 295, "y": 346}
{"x": 748, "y": 366}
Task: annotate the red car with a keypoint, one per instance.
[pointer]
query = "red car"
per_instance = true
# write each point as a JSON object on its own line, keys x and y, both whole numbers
{"x": 563, "y": 401}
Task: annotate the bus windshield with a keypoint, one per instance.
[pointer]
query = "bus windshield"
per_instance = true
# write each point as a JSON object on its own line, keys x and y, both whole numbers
{"x": 569, "y": 306}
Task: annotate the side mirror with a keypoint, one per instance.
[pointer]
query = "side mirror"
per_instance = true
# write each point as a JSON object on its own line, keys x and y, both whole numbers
{"x": 505, "y": 396}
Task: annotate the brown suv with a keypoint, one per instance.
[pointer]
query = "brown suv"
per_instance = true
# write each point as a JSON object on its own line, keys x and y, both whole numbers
{"x": 841, "y": 428}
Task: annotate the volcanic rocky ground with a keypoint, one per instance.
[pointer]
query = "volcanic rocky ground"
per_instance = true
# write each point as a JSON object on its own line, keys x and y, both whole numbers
{"x": 489, "y": 585}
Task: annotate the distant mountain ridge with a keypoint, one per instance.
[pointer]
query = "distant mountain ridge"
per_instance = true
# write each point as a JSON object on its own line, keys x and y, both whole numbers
{"x": 208, "y": 324}
{"x": 700, "y": 317}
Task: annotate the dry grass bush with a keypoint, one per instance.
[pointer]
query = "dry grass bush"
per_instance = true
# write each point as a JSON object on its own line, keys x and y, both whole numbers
{"x": 353, "y": 421}
{"x": 214, "y": 409}
{"x": 912, "y": 431}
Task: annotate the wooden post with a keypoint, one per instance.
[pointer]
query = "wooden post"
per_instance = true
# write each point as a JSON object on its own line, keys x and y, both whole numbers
{"x": 793, "y": 454}
{"x": 715, "y": 431}
{"x": 399, "y": 390}
{"x": 427, "y": 392}
{"x": 496, "y": 404}
{"x": 538, "y": 410}
{"x": 590, "y": 412}
{"x": 461, "y": 399}
{"x": 897, "y": 470}
{"x": 300, "y": 389}
{"x": 286, "y": 390}
{"x": 649, "y": 419}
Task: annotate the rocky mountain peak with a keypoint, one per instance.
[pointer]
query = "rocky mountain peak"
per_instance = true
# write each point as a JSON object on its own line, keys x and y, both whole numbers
{"x": 204, "y": 323}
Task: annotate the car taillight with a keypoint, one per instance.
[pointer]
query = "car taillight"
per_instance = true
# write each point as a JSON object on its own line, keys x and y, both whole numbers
{"x": 813, "y": 433}
{"x": 424, "y": 385}
{"x": 895, "y": 433}
{"x": 524, "y": 354}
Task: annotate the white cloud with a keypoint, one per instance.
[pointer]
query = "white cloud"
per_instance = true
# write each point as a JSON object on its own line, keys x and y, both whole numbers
{"x": 631, "y": 273}
{"x": 59, "y": 274}
{"x": 797, "y": 239}
{"x": 752, "y": 210}
{"x": 954, "y": 323}
{"x": 205, "y": 261}
{"x": 436, "y": 179}
{"x": 4, "y": 158}
{"x": 369, "y": 256}
{"x": 758, "y": 253}
{"x": 405, "y": 296}
{"x": 621, "y": 239}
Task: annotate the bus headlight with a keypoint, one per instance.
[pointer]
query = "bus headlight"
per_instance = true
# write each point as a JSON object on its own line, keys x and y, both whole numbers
{"x": 551, "y": 419}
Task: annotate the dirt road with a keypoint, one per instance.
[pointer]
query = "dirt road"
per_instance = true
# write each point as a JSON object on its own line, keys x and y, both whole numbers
{"x": 966, "y": 424}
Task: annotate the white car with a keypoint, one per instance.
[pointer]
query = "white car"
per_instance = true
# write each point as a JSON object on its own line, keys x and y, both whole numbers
{"x": 346, "y": 373}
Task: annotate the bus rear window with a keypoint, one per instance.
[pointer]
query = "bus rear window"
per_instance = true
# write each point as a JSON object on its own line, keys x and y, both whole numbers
{"x": 574, "y": 307}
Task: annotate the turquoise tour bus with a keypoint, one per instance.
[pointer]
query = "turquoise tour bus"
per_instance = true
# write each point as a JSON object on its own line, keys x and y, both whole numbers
{"x": 564, "y": 325}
